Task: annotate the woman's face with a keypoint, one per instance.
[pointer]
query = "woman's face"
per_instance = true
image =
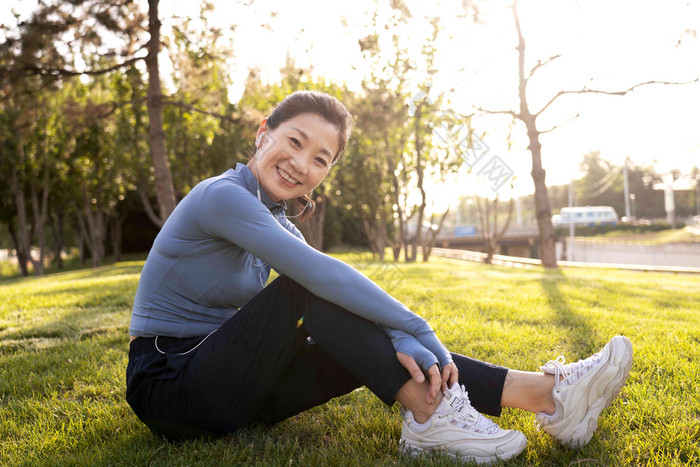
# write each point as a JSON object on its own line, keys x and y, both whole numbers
{"x": 293, "y": 158}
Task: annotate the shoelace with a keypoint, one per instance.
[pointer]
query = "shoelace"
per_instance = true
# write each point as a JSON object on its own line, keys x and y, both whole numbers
{"x": 463, "y": 413}
{"x": 571, "y": 372}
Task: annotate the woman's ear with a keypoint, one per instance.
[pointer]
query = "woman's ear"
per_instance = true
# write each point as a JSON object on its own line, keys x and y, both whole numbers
{"x": 261, "y": 131}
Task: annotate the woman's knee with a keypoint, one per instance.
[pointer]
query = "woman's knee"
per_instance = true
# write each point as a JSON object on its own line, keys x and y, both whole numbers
{"x": 289, "y": 287}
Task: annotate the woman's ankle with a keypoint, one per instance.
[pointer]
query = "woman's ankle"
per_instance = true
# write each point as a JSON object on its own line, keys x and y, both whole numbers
{"x": 531, "y": 391}
{"x": 423, "y": 414}
{"x": 412, "y": 396}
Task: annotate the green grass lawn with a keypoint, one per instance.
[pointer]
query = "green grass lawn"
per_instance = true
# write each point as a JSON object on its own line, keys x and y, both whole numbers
{"x": 64, "y": 340}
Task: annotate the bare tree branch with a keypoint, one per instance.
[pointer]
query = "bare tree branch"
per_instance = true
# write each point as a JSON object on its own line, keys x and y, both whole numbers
{"x": 149, "y": 208}
{"x": 540, "y": 64}
{"x": 560, "y": 124}
{"x": 500, "y": 234}
{"x": 585, "y": 90}
{"x": 205, "y": 112}
{"x": 502, "y": 112}
{"x": 57, "y": 72}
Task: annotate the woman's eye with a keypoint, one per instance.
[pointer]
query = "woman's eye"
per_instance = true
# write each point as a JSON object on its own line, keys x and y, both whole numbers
{"x": 295, "y": 142}
{"x": 322, "y": 161}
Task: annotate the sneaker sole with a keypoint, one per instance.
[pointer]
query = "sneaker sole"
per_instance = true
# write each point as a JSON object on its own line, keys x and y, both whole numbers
{"x": 406, "y": 448}
{"x": 583, "y": 432}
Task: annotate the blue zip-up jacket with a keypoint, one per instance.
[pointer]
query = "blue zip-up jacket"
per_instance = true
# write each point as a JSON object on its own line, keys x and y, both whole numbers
{"x": 215, "y": 251}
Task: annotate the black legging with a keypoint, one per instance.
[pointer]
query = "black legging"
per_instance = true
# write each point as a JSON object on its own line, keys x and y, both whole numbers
{"x": 285, "y": 351}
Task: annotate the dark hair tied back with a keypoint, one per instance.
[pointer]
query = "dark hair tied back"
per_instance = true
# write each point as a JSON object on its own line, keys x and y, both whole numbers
{"x": 305, "y": 206}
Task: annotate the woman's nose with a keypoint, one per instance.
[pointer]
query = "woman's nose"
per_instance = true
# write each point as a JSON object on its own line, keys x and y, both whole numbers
{"x": 298, "y": 164}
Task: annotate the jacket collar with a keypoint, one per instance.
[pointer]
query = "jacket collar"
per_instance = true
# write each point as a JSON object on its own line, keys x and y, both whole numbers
{"x": 251, "y": 184}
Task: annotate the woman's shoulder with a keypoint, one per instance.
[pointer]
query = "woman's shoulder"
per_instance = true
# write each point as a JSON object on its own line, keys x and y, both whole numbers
{"x": 228, "y": 183}
{"x": 230, "y": 193}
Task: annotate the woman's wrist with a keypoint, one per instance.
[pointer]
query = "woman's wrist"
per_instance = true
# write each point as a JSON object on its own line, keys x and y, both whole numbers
{"x": 424, "y": 356}
{"x": 433, "y": 344}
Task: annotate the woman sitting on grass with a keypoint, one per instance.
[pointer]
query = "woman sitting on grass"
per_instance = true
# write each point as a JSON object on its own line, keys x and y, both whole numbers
{"x": 213, "y": 350}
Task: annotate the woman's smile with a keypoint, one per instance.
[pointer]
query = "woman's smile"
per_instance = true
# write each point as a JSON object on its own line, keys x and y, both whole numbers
{"x": 287, "y": 178}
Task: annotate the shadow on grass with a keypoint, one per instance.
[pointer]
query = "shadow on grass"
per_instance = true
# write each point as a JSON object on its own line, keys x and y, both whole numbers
{"x": 29, "y": 372}
{"x": 118, "y": 269}
{"x": 67, "y": 306}
{"x": 75, "y": 325}
{"x": 81, "y": 272}
{"x": 119, "y": 293}
{"x": 576, "y": 329}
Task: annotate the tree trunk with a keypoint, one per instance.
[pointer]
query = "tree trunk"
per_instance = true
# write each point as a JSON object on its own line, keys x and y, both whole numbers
{"x": 115, "y": 232}
{"x": 498, "y": 235}
{"x": 375, "y": 231}
{"x": 379, "y": 214}
{"x": 165, "y": 191}
{"x": 81, "y": 238}
{"x": 382, "y": 233}
{"x": 488, "y": 219}
{"x": 312, "y": 227}
{"x": 430, "y": 242}
{"x": 23, "y": 237}
{"x": 368, "y": 228}
{"x": 399, "y": 232}
{"x": 40, "y": 214}
{"x": 374, "y": 225}
{"x": 97, "y": 238}
{"x": 485, "y": 224}
{"x": 490, "y": 251}
{"x": 542, "y": 207}
{"x": 95, "y": 220}
{"x": 143, "y": 184}
{"x": 21, "y": 255}
{"x": 419, "y": 169}
{"x": 37, "y": 229}
{"x": 148, "y": 208}
{"x": 57, "y": 227}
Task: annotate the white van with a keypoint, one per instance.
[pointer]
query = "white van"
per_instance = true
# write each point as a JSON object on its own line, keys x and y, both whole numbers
{"x": 586, "y": 215}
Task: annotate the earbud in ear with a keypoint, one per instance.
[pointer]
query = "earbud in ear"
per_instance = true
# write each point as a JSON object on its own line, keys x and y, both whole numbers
{"x": 259, "y": 139}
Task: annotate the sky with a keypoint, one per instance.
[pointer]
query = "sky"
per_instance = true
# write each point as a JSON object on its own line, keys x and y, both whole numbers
{"x": 604, "y": 44}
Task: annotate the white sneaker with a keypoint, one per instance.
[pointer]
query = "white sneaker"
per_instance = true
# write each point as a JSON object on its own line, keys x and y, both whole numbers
{"x": 588, "y": 386}
{"x": 457, "y": 429}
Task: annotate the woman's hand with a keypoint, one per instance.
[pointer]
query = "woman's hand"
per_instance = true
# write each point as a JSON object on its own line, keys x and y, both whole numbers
{"x": 450, "y": 375}
{"x": 437, "y": 382}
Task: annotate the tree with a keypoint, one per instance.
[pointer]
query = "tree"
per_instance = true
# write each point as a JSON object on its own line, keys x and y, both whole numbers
{"x": 488, "y": 220}
{"x": 201, "y": 81}
{"x": 101, "y": 162}
{"x": 375, "y": 187}
{"x": 370, "y": 164}
{"x": 32, "y": 138}
{"x": 165, "y": 191}
{"x": 446, "y": 158}
{"x": 529, "y": 118}
{"x": 395, "y": 147}
{"x": 40, "y": 49}
{"x": 11, "y": 192}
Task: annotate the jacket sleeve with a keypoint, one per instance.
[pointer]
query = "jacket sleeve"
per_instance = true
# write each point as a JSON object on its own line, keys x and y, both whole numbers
{"x": 406, "y": 343}
{"x": 231, "y": 212}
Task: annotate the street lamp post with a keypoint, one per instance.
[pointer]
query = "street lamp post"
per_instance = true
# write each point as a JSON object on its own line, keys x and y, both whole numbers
{"x": 632, "y": 198}
{"x": 697, "y": 193}
{"x": 628, "y": 215}
{"x": 570, "y": 250}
